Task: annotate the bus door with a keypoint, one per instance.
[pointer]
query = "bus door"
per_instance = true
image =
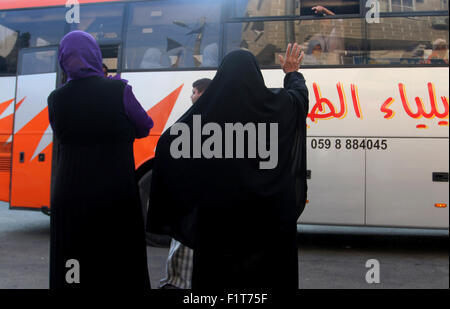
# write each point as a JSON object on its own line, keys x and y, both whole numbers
{"x": 32, "y": 135}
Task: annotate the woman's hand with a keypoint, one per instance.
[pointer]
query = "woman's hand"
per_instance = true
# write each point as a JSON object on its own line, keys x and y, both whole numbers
{"x": 322, "y": 10}
{"x": 293, "y": 59}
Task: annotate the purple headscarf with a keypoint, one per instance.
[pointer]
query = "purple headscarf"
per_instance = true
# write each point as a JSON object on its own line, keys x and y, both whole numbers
{"x": 80, "y": 55}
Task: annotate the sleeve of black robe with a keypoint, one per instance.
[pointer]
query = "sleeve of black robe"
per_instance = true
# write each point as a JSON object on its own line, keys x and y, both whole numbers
{"x": 295, "y": 85}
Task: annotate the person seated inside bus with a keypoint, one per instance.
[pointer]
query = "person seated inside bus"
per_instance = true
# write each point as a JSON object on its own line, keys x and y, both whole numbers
{"x": 210, "y": 56}
{"x": 314, "y": 54}
{"x": 414, "y": 55}
{"x": 439, "y": 55}
{"x": 152, "y": 59}
{"x": 332, "y": 45}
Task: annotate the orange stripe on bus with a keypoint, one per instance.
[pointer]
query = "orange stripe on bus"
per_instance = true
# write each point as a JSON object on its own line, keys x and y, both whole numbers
{"x": 5, "y": 105}
{"x": 144, "y": 149}
{"x": 31, "y": 178}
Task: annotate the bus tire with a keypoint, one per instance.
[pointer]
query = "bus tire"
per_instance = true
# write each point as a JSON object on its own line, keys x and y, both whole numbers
{"x": 153, "y": 240}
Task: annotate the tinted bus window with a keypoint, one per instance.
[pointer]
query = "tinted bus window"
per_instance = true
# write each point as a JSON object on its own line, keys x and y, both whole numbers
{"x": 408, "y": 40}
{"x": 324, "y": 41}
{"x": 257, "y": 8}
{"x": 330, "y": 7}
{"x": 413, "y": 5}
{"x": 38, "y": 62}
{"x": 103, "y": 22}
{"x": 173, "y": 34}
{"x": 28, "y": 28}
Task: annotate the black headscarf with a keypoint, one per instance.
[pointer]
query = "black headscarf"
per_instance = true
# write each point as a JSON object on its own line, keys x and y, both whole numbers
{"x": 228, "y": 197}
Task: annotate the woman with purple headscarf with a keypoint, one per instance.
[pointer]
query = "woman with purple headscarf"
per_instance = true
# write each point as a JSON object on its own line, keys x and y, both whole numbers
{"x": 97, "y": 228}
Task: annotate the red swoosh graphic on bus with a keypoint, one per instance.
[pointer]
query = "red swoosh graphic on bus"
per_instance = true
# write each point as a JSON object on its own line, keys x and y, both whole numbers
{"x": 144, "y": 149}
{"x": 31, "y": 178}
{"x": 5, "y": 105}
{"x": 35, "y": 128}
{"x": 35, "y": 174}
{"x": 6, "y": 123}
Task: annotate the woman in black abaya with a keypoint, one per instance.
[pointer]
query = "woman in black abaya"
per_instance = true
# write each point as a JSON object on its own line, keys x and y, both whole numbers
{"x": 96, "y": 217}
{"x": 239, "y": 219}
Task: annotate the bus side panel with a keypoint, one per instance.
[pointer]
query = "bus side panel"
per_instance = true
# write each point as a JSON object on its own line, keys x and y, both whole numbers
{"x": 33, "y": 140}
{"x": 336, "y": 188}
{"x": 7, "y": 93}
{"x": 374, "y": 102}
{"x": 400, "y": 187}
{"x": 165, "y": 96}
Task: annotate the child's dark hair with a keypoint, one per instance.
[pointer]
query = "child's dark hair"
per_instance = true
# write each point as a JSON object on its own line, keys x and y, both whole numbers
{"x": 202, "y": 84}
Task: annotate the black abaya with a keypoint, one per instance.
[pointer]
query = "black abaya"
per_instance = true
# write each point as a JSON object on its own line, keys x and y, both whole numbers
{"x": 96, "y": 216}
{"x": 239, "y": 219}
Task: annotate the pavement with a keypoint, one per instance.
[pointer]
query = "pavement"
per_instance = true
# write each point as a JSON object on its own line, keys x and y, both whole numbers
{"x": 329, "y": 257}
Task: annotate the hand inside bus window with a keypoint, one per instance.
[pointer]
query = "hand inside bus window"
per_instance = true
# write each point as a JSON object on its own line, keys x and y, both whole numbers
{"x": 321, "y": 10}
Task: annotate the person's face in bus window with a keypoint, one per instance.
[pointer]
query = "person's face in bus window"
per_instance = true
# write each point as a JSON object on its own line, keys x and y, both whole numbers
{"x": 317, "y": 51}
{"x": 195, "y": 95}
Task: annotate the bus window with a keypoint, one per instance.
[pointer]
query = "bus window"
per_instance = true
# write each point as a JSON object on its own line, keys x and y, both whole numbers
{"x": 37, "y": 62}
{"x": 409, "y": 40}
{"x": 28, "y": 28}
{"x": 324, "y": 41}
{"x": 413, "y": 5}
{"x": 173, "y": 34}
{"x": 258, "y": 8}
{"x": 103, "y": 22}
{"x": 332, "y": 7}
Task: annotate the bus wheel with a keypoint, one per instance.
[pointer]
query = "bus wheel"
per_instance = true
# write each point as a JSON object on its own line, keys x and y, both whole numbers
{"x": 153, "y": 240}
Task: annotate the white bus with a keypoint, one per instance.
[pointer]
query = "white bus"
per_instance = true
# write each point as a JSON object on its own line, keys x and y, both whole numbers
{"x": 377, "y": 73}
